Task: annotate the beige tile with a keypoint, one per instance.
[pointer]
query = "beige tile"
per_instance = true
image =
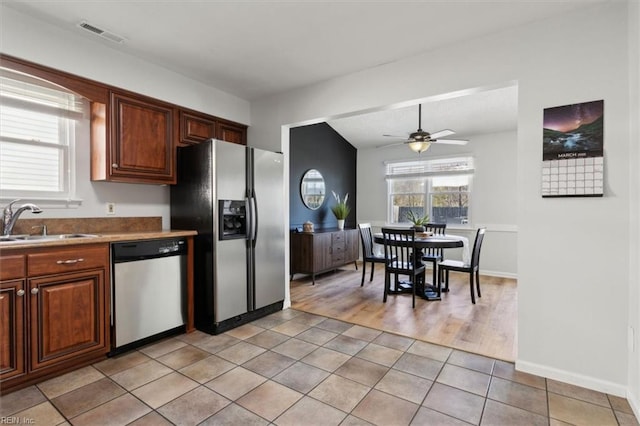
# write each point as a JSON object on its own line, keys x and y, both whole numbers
{"x": 327, "y": 359}
{"x": 301, "y": 377}
{"x": 362, "y": 371}
{"x": 346, "y": 344}
{"x": 427, "y": 416}
{"x": 194, "y": 338}
{"x": 506, "y": 370}
{"x": 291, "y": 328}
{"x": 426, "y": 368}
{"x": 122, "y": 362}
{"x": 519, "y": 395}
{"x": 41, "y": 414}
{"x": 334, "y": 325}
{"x": 288, "y": 313}
{"x": 380, "y": 354}
{"x": 244, "y": 331}
{"x": 394, "y": 341}
{"x": 626, "y": 419}
{"x": 580, "y": 412}
{"x": 235, "y": 383}
{"x": 556, "y": 422}
{"x": 151, "y": 419}
{"x": 20, "y": 400}
{"x": 70, "y": 381}
{"x": 119, "y": 411}
{"x": 76, "y": 402}
{"x": 207, "y": 369}
{"x": 429, "y": 350}
{"x": 193, "y": 407}
{"x": 455, "y": 403}
{"x": 461, "y": 378}
{"x": 313, "y": 412}
{"x": 405, "y": 386}
{"x": 241, "y": 352}
{"x": 268, "y": 364}
{"x": 163, "y": 347}
{"x": 269, "y": 400}
{"x": 471, "y": 361}
{"x": 270, "y": 321}
{"x": 354, "y": 421}
{"x": 578, "y": 392}
{"x": 309, "y": 319}
{"x": 362, "y": 333}
{"x": 384, "y": 409}
{"x": 140, "y": 374}
{"x": 215, "y": 344}
{"x": 268, "y": 339}
{"x": 234, "y": 414}
{"x": 164, "y": 389}
{"x": 316, "y": 335}
{"x": 340, "y": 393}
{"x": 498, "y": 414}
{"x": 183, "y": 357}
{"x": 295, "y": 348}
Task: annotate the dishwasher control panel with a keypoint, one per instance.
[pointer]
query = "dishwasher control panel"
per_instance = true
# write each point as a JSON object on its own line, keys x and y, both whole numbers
{"x": 148, "y": 249}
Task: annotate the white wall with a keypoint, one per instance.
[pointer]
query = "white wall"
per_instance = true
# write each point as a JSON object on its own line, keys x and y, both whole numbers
{"x": 24, "y": 37}
{"x": 573, "y": 273}
{"x": 493, "y": 202}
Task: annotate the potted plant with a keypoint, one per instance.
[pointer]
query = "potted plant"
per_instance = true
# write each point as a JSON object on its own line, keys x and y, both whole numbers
{"x": 418, "y": 221}
{"x": 340, "y": 209}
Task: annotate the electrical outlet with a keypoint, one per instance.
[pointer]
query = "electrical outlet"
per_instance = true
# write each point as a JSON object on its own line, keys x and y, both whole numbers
{"x": 111, "y": 208}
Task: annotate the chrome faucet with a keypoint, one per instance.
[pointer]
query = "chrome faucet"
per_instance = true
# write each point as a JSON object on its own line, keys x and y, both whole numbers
{"x": 9, "y": 217}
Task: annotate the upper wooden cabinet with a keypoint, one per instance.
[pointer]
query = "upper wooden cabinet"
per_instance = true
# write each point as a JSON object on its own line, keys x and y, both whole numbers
{"x": 196, "y": 128}
{"x": 231, "y": 132}
{"x": 138, "y": 143}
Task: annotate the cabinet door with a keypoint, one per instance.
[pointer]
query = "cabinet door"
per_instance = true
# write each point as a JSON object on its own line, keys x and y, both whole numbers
{"x": 67, "y": 316}
{"x": 229, "y": 132}
{"x": 352, "y": 244}
{"x": 322, "y": 252}
{"x": 142, "y": 136}
{"x": 12, "y": 320}
{"x": 195, "y": 128}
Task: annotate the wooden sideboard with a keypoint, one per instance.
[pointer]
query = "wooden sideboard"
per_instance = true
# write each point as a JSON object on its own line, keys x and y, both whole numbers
{"x": 321, "y": 251}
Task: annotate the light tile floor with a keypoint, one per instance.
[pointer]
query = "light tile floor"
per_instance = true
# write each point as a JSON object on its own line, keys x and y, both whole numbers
{"x": 295, "y": 368}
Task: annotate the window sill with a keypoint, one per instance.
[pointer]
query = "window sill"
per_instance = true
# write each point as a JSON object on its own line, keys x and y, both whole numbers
{"x": 45, "y": 203}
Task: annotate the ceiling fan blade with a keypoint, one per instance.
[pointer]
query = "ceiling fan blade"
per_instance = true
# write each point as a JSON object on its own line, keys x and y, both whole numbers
{"x": 451, "y": 141}
{"x": 442, "y": 133}
{"x": 395, "y": 136}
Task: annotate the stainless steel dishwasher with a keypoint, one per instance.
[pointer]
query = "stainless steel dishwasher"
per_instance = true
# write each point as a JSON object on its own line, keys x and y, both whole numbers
{"x": 148, "y": 293}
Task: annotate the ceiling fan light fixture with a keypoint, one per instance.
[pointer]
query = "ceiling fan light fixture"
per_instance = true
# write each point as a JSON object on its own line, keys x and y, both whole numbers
{"x": 419, "y": 146}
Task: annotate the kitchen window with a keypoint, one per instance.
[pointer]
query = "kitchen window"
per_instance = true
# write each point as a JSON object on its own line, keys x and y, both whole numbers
{"x": 37, "y": 134}
{"x": 438, "y": 187}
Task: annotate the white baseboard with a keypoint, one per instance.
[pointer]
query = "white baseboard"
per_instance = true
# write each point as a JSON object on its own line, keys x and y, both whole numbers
{"x": 633, "y": 402}
{"x": 499, "y": 274}
{"x": 605, "y": 386}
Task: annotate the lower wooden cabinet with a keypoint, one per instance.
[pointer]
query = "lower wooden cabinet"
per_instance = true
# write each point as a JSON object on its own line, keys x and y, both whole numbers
{"x": 312, "y": 253}
{"x": 55, "y": 316}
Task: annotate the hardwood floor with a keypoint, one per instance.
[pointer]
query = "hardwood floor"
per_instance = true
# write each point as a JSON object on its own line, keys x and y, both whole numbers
{"x": 487, "y": 328}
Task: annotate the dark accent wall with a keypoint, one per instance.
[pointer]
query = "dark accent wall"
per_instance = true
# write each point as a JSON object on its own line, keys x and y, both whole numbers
{"x": 320, "y": 147}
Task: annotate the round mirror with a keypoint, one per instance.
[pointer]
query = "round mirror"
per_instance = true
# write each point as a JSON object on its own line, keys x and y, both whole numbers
{"x": 312, "y": 189}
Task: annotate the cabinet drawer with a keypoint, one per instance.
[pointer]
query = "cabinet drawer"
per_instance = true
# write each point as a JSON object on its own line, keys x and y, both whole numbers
{"x": 68, "y": 260}
{"x": 337, "y": 237}
{"x": 12, "y": 267}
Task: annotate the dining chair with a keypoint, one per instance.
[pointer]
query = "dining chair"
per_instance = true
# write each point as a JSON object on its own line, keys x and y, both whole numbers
{"x": 473, "y": 268}
{"x": 399, "y": 249}
{"x": 368, "y": 255}
{"x": 434, "y": 255}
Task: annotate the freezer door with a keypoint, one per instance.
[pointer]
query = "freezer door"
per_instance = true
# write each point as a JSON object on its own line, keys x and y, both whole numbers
{"x": 230, "y": 270}
{"x": 268, "y": 186}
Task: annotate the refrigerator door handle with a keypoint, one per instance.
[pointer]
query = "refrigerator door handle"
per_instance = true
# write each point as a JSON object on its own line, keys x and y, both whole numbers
{"x": 254, "y": 218}
{"x": 249, "y": 218}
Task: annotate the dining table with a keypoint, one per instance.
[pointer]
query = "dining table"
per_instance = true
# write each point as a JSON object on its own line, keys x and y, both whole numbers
{"x": 425, "y": 241}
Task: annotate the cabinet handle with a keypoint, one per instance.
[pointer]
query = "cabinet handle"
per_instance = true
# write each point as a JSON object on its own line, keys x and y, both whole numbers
{"x": 34, "y": 290}
{"x": 114, "y": 165}
{"x": 20, "y": 292}
{"x": 69, "y": 261}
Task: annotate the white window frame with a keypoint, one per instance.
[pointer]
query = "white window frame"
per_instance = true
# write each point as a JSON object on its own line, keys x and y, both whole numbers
{"x": 19, "y": 94}
{"x": 426, "y": 170}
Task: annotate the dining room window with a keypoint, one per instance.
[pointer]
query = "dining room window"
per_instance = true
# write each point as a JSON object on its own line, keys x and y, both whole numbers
{"x": 438, "y": 187}
{"x": 37, "y": 133}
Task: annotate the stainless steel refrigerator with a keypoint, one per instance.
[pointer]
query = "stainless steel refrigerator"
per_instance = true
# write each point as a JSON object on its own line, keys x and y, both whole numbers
{"x": 233, "y": 196}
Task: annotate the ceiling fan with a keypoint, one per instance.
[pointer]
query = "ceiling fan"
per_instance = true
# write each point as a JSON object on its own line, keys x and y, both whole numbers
{"x": 419, "y": 141}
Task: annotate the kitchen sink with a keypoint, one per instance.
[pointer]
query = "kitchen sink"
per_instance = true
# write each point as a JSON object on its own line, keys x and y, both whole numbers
{"x": 37, "y": 238}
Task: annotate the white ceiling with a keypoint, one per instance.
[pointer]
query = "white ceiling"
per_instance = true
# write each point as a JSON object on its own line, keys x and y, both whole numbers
{"x": 253, "y": 49}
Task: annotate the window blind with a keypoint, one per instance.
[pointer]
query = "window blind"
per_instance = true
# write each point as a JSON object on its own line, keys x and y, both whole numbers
{"x": 432, "y": 167}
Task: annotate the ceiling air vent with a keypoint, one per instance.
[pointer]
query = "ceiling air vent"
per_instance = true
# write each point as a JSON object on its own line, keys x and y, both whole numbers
{"x": 102, "y": 33}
